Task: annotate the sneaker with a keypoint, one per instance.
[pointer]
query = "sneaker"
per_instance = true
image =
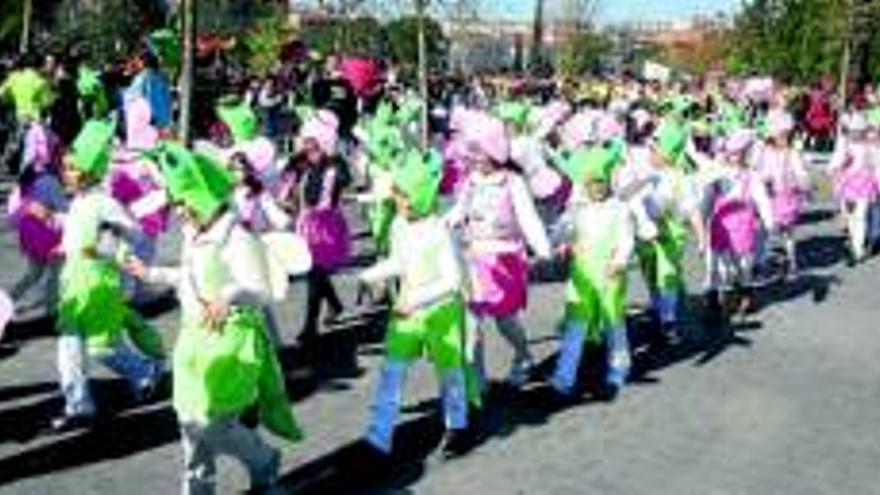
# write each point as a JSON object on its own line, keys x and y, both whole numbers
{"x": 608, "y": 392}
{"x": 520, "y": 373}
{"x": 65, "y": 422}
{"x": 669, "y": 334}
{"x": 457, "y": 443}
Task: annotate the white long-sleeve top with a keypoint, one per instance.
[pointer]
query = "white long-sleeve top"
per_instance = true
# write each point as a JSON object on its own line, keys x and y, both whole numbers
{"x": 88, "y": 213}
{"x": 423, "y": 256}
{"x": 604, "y": 223}
{"x": 497, "y": 213}
{"x": 718, "y": 180}
{"x": 782, "y": 169}
{"x": 852, "y": 157}
{"x": 630, "y": 183}
{"x": 224, "y": 264}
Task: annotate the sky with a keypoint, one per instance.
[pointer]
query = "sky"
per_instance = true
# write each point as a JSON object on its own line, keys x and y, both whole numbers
{"x": 616, "y": 11}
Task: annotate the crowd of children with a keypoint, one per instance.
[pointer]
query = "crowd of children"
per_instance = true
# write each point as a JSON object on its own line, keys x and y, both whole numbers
{"x": 609, "y": 186}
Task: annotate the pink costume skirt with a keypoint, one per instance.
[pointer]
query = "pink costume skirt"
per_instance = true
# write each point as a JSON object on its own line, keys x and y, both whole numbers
{"x": 856, "y": 184}
{"x": 499, "y": 283}
{"x": 734, "y": 228}
{"x": 787, "y": 207}
{"x": 326, "y": 232}
{"x": 39, "y": 240}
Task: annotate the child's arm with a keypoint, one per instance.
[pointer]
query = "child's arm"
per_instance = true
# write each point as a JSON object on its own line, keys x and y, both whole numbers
{"x": 391, "y": 266}
{"x": 529, "y": 221}
{"x": 762, "y": 202}
{"x": 626, "y": 241}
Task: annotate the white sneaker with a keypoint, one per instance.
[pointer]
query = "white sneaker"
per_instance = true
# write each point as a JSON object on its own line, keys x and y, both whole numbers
{"x": 520, "y": 373}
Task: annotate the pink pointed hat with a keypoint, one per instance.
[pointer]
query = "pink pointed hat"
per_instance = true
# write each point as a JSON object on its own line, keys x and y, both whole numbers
{"x": 579, "y": 129}
{"x": 550, "y": 116}
{"x": 608, "y": 128}
{"x": 739, "y": 142}
{"x": 323, "y": 127}
{"x": 487, "y": 133}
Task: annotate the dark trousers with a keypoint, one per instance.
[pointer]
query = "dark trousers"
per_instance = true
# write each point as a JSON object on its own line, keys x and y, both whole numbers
{"x": 320, "y": 289}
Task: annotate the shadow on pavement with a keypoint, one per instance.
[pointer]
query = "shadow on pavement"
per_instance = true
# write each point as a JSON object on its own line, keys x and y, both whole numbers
{"x": 130, "y": 430}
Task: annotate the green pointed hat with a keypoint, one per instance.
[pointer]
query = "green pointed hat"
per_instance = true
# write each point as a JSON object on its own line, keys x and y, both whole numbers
{"x": 195, "y": 180}
{"x": 418, "y": 177}
{"x": 91, "y": 150}
{"x": 671, "y": 140}
{"x": 409, "y": 111}
{"x": 594, "y": 164}
{"x": 240, "y": 118}
{"x": 385, "y": 144}
{"x": 514, "y": 112}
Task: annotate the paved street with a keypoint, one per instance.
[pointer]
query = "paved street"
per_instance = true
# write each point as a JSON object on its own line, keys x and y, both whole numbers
{"x": 786, "y": 405}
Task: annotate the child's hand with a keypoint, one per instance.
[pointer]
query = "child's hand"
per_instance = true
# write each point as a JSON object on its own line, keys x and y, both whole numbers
{"x": 403, "y": 310}
{"x": 39, "y": 210}
{"x": 214, "y": 315}
{"x": 136, "y": 268}
{"x": 563, "y": 251}
{"x": 615, "y": 270}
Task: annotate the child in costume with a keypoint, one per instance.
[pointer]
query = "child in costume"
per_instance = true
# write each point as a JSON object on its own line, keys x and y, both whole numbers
{"x": 257, "y": 208}
{"x": 739, "y": 205}
{"x": 603, "y": 244}
{"x": 224, "y": 364}
{"x": 498, "y": 219}
{"x": 317, "y": 179}
{"x": 672, "y": 203}
{"x": 549, "y": 189}
{"x": 137, "y": 185}
{"x": 428, "y": 315}
{"x": 783, "y": 169}
{"x": 854, "y": 169}
{"x": 93, "y": 318}
{"x": 36, "y": 210}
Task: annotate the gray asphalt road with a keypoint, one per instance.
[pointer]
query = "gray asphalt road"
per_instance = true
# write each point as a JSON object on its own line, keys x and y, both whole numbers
{"x": 786, "y": 405}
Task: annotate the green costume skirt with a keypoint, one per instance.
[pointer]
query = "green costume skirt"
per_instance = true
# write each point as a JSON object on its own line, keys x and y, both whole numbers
{"x": 594, "y": 301}
{"x": 661, "y": 259}
{"x": 92, "y": 302}
{"x": 218, "y": 374}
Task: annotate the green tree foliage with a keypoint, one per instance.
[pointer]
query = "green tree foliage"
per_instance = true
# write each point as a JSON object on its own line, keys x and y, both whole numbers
{"x": 404, "y": 47}
{"x": 10, "y": 23}
{"x": 358, "y": 36}
{"x": 798, "y": 40}
{"x": 584, "y": 53}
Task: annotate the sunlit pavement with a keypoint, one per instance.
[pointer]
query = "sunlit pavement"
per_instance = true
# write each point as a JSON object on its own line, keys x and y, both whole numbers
{"x": 787, "y": 403}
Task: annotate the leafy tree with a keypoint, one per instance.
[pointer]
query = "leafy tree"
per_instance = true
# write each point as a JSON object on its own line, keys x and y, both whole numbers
{"x": 798, "y": 40}
{"x": 583, "y": 53}
{"x": 403, "y": 43}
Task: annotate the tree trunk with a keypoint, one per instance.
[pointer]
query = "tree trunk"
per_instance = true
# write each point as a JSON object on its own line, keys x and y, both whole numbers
{"x": 536, "y": 55}
{"x": 26, "y": 17}
{"x": 187, "y": 72}
{"x": 423, "y": 70}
